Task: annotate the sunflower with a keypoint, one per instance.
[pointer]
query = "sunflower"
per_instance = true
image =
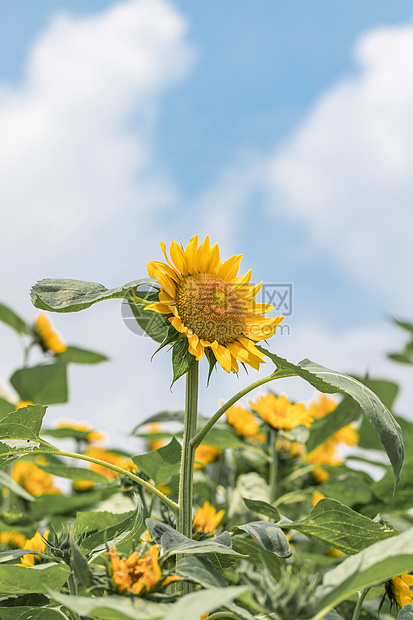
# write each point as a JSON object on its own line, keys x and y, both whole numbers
{"x": 207, "y": 303}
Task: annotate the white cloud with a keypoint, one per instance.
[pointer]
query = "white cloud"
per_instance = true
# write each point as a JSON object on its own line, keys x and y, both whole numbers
{"x": 347, "y": 170}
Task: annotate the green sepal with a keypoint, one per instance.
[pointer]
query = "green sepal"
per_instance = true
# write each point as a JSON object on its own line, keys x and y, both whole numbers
{"x": 182, "y": 359}
{"x": 212, "y": 362}
{"x": 153, "y": 323}
{"x": 59, "y": 295}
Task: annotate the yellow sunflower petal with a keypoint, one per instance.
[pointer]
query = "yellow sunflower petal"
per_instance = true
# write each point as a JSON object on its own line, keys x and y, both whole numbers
{"x": 223, "y": 357}
{"x": 191, "y": 254}
{"x": 177, "y": 323}
{"x": 179, "y": 258}
{"x": 214, "y": 263}
{"x": 203, "y": 255}
{"x": 230, "y": 268}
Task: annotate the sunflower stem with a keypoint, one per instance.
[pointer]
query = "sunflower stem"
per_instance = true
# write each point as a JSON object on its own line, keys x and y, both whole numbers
{"x": 184, "y": 514}
{"x": 357, "y": 609}
{"x": 278, "y": 374}
{"x": 272, "y": 481}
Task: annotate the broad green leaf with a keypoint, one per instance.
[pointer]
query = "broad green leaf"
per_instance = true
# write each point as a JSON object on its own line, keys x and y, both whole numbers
{"x": 200, "y": 570}
{"x": 262, "y": 508}
{"x": 348, "y": 486}
{"x": 259, "y": 557}
{"x": 26, "y": 600}
{"x": 269, "y": 536}
{"x": 93, "y": 522}
{"x": 113, "y": 607}
{"x": 172, "y": 542}
{"x": 25, "y": 423}
{"x": 8, "y": 482}
{"x": 15, "y": 554}
{"x": 76, "y": 355}
{"x": 6, "y": 407}
{"x": 45, "y": 383}
{"x": 39, "y": 579}
{"x": 335, "y": 525}
{"x": 321, "y": 430}
{"x": 10, "y": 318}
{"x": 379, "y": 562}
{"x": 67, "y": 504}
{"x": 403, "y": 497}
{"x": 73, "y": 473}
{"x": 192, "y": 606}
{"x": 330, "y": 381}
{"x": 32, "y": 613}
{"x": 161, "y": 417}
{"x": 120, "y": 531}
{"x": 160, "y": 464}
{"x": 73, "y": 295}
{"x": 406, "y": 613}
{"x": 224, "y": 438}
{"x": 182, "y": 359}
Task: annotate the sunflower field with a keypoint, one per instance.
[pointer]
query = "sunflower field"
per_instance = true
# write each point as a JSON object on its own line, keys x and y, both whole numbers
{"x": 267, "y": 508}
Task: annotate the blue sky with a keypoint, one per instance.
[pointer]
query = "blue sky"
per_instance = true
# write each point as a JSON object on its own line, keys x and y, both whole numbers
{"x": 282, "y": 130}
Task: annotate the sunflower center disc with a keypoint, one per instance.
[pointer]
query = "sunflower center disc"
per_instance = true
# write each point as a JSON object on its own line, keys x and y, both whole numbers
{"x": 210, "y": 307}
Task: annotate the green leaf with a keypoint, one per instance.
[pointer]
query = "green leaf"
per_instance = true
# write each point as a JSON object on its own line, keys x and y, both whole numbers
{"x": 45, "y": 383}
{"x": 161, "y": 417}
{"x": 25, "y": 423}
{"x": 379, "y": 562}
{"x": 406, "y": 613}
{"x": 39, "y": 579}
{"x": 154, "y": 324}
{"x": 10, "y": 318}
{"x": 160, "y": 464}
{"x": 120, "y": 531}
{"x": 66, "y": 433}
{"x": 7, "y": 481}
{"x": 32, "y": 613}
{"x": 403, "y": 497}
{"x": 5, "y": 407}
{"x": 224, "y": 438}
{"x": 182, "y": 359}
{"x": 259, "y": 557}
{"x": 68, "y": 504}
{"x": 80, "y": 567}
{"x": 335, "y": 525}
{"x": 14, "y": 554}
{"x": 73, "y": 473}
{"x": 200, "y": 570}
{"x": 76, "y": 355}
{"x": 113, "y": 607}
{"x": 262, "y": 508}
{"x": 348, "y": 486}
{"x": 73, "y": 295}
{"x": 321, "y": 430}
{"x": 192, "y": 606}
{"x": 269, "y": 536}
{"x": 329, "y": 381}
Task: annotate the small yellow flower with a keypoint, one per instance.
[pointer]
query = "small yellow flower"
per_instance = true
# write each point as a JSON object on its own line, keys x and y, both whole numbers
{"x": 23, "y": 403}
{"x": 108, "y": 457}
{"x": 36, "y": 543}
{"x": 207, "y": 519}
{"x": 280, "y": 413}
{"x": 334, "y": 553}
{"x": 92, "y": 434}
{"x": 137, "y": 573}
{"x": 326, "y": 454}
{"x": 33, "y": 479}
{"x": 317, "y": 497}
{"x": 207, "y": 303}
{"x": 205, "y": 455}
{"x": 322, "y": 407}
{"x": 13, "y": 538}
{"x": 320, "y": 474}
{"x": 155, "y": 444}
{"x": 399, "y": 588}
{"x": 244, "y": 422}
{"x": 50, "y": 339}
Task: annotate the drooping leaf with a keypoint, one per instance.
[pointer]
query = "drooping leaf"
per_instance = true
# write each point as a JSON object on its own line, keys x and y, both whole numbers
{"x": 379, "y": 562}
{"x": 192, "y": 606}
{"x": 338, "y": 526}
{"x": 113, "y": 607}
{"x": 121, "y": 530}
{"x": 262, "y": 508}
{"x": 330, "y": 381}
{"x": 200, "y": 570}
{"x": 259, "y": 557}
{"x": 58, "y": 295}
{"x": 269, "y": 536}
{"x": 152, "y": 323}
{"x": 15, "y": 554}
{"x": 39, "y": 579}
{"x": 10, "y": 318}
{"x": 160, "y": 464}
{"x": 322, "y": 429}
{"x": 182, "y": 359}
{"x": 76, "y": 355}
{"x": 45, "y": 383}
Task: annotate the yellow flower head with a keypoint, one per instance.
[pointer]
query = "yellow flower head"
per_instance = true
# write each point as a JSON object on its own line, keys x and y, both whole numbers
{"x": 244, "y": 422}
{"x": 326, "y": 454}
{"x": 399, "y": 589}
{"x": 207, "y": 519}
{"x": 205, "y": 455}
{"x": 317, "y": 497}
{"x": 33, "y": 479}
{"x": 208, "y": 304}
{"x": 322, "y": 407}
{"x": 108, "y": 457}
{"x": 16, "y": 539}
{"x": 320, "y": 474}
{"x": 92, "y": 434}
{"x": 50, "y": 339}
{"x": 280, "y": 413}
{"x": 37, "y": 543}
{"x": 137, "y": 573}
{"x": 155, "y": 444}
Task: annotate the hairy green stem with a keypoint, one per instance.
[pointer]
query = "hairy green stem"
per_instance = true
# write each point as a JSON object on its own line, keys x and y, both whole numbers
{"x": 186, "y": 475}
{"x": 149, "y": 487}
{"x": 278, "y": 374}
{"x": 272, "y": 481}
{"x": 357, "y": 610}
